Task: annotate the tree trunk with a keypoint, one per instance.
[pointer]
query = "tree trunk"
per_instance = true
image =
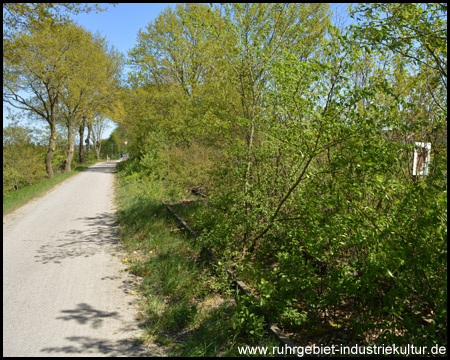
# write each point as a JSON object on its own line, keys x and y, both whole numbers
{"x": 81, "y": 152}
{"x": 48, "y": 160}
{"x": 87, "y": 142}
{"x": 97, "y": 147}
{"x": 50, "y": 152}
{"x": 70, "y": 151}
{"x": 246, "y": 179}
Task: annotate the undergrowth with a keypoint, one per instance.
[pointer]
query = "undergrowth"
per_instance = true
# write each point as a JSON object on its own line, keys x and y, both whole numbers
{"x": 185, "y": 303}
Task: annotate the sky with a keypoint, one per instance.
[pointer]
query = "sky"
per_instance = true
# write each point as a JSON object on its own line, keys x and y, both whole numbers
{"x": 120, "y": 24}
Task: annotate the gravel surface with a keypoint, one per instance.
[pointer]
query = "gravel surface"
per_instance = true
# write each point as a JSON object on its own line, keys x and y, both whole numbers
{"x": 64, "y": 289}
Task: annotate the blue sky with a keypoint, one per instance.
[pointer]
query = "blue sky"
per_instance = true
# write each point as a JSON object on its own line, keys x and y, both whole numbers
{"x": 120, "y": 24}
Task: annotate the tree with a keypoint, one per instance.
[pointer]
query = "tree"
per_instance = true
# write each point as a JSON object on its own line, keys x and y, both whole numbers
{"x": 414, "y": 36}
{"x": 92, "y": 89}
{"x": 167, "y": 60}
{"x": 98, "y": 126}
{"x": 251, "y": 38}
{"x": 38, "y": 43}
{"x": 312, "y": 198}
{"x": 22, "y": 17}
{"x": 418, "y": 32}
{"x": 37, "y": 64}
{"x": 166, "y": 99}
{"x": 214, "y": 67}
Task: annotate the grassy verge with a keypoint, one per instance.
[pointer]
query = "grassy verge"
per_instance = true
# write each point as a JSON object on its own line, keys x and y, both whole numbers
{"x": 184, "y": 304}
{"x": 15, "y": 199}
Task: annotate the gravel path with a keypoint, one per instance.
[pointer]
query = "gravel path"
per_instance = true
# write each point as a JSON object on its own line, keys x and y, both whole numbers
{"x": 64, "y": 291}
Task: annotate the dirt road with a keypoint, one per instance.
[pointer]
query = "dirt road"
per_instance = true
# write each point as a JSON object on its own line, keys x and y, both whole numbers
{"x": 64, "y": 293}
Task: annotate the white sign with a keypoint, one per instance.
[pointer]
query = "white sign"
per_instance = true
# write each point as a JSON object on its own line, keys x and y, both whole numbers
{"x": 421, "y": 158}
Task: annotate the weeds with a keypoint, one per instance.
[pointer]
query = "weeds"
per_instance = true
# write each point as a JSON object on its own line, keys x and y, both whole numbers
{"x": 183, "y": 303}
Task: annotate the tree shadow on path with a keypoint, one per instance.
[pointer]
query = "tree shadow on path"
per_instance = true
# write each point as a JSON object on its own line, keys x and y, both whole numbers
{"x": 85, "y": 314}
{"x": 106, "y": 168}
{"x": 99, "y": 233}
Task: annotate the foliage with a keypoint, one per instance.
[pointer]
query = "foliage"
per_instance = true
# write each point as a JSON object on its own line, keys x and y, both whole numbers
{"x": 42, "y": 50}
{"x": 22, "y": 159}
{"x": 311, "y": 192}
{"x": 416, "y": 31}
{"x": 20, "y": 17}
{"x": 179, "y": 306}
{"x": 301, "y": 134}
{"x": 189, "y": 93}
{"x": 94, "y": 91}
{"x": 22, "y": 74}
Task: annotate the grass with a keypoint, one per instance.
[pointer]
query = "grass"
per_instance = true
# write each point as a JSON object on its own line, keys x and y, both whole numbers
{"x": 183, "y": 304}
{"x": 18, "y": 198}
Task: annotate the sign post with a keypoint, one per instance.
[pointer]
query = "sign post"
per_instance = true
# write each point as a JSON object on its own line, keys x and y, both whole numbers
{"x": 126, "y": 149}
